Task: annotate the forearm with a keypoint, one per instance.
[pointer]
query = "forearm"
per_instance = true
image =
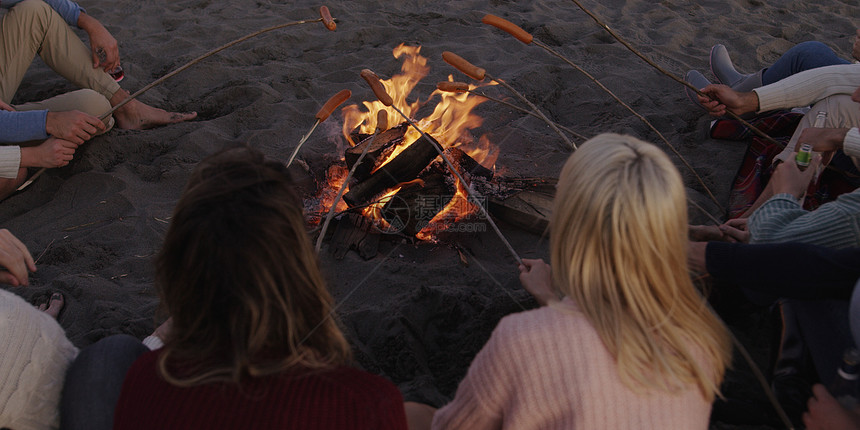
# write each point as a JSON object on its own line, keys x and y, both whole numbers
{"x": 808, "y": 87}
{"x": 770, "y": 219}
{"x": 22, "y": 126}
{"x": 89, "y": 24}
{"x": 791, "y": 270}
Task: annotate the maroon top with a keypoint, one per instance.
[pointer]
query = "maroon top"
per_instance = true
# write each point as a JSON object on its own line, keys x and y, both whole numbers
{"x": 343, "y": 399}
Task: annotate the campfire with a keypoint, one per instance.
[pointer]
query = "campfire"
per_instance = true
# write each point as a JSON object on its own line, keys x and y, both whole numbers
{"x": 401, "y": 186}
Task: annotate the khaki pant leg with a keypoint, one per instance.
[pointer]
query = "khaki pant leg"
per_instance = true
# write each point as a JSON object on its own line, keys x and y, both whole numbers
{"x": 32, "y": 27}
{"x": 841, "y": 112}
{"x": 87, "y": 101}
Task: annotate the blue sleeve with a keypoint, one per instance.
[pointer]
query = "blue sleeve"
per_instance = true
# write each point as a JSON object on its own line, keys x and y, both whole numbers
{"x": 69, "y": 10}
{"x": 22, "y": 126}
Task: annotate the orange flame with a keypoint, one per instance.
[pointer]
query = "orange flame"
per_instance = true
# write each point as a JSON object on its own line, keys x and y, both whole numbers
{"x": 449, "y": 123}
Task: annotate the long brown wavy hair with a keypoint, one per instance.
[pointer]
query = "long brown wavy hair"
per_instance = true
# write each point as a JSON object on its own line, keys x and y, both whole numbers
{"x": 618, "y": 249}
{"x": 238, "y": 275}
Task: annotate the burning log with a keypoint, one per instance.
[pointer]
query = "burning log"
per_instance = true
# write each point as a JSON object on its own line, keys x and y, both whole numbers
{"x": 467, "y": 165}
{"x": 403, "y": 168}
{"x": 381, "y": 148}
{"x": 415, "y": 205}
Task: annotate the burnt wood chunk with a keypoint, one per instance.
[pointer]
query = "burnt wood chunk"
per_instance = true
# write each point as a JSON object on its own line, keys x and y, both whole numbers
{"x": 380, "y": 147}
{"x": 466, "y": 165}
{"x": 403, "y": 168}
{"x": 416, "y": 204}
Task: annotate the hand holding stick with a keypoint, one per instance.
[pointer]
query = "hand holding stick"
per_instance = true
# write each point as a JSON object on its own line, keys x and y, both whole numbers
{"x": 479, "y": 74}
{"x": 381, "y": 125}
{"x": 324, "y": 112}
{"x": 383, "y": 96}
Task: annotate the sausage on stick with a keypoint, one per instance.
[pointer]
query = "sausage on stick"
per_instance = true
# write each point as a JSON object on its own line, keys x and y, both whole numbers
{"x": 324, "y": 112}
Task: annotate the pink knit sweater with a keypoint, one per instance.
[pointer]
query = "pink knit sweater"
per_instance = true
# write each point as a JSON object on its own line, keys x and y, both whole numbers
{"x": 548, "y": 369}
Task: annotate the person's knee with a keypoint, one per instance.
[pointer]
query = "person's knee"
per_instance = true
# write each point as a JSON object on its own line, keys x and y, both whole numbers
{"x": 9, "y": 185}
{"x": 95, "y": 104}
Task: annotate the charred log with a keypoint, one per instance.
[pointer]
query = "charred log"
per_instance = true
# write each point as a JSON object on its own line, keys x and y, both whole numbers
{"x": 404, "y": 168}
{"x": 380, "y": 147}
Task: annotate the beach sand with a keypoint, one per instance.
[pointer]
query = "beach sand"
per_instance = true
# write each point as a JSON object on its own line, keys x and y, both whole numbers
{"x": 415, "y": 313}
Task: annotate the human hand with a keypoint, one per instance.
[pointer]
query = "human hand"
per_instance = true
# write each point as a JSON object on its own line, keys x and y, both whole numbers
{"x": 536, "y": 277}
{"x": 721, "y": 98}
{"x": 104, "y": 48}
{"x": 735, "y": 230}
{"x": 822, "y": 139}
{"x": 74, "y": 126}
{"x": 4, "y": 106}
{"x": 825, "y": 413}
{"x": 16, "y": 259}
{"x": 788, "y": 178}
{"x": 52, "y": 152}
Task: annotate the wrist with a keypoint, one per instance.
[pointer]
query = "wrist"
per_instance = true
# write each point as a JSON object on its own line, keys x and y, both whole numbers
{"x": 750, "y": 102}
{"x": 28, "y": 156}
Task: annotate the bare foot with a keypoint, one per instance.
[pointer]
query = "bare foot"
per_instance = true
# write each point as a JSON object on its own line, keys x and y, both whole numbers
{"x": 136, "y": 115}
{"x": 54, "y": 305}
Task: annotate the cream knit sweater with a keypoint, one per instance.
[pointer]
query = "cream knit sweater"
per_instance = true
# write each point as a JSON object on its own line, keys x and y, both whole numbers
{"x": 33, "y": 360}
{"x": 548, "y": 369}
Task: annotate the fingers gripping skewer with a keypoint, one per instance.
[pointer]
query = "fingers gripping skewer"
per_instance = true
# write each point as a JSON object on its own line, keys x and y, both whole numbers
{"x": 325, "y": 18}
{"x": 518, "y": 32}
{"x": 381, "y": 125}
{"x": 380, "y": 93}
{"x": 329, "y": 106}
{"x": 479, "y": 74}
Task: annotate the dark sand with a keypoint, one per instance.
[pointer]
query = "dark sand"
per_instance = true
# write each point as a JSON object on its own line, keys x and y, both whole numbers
{"x": 415, "y": 313}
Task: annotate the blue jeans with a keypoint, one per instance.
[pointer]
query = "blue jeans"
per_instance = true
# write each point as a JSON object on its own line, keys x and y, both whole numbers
{"x": 803, "y": 56}
{"x": 94, "y": 380}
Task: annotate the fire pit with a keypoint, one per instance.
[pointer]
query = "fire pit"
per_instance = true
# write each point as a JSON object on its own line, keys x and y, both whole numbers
{"x": 401, "y": 186}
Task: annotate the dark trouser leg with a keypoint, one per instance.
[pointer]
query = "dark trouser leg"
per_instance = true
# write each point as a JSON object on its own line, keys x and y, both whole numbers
{"x": 94, "y": 381}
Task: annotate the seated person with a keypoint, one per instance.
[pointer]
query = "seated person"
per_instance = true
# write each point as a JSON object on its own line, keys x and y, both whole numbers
{"x": 36, "y": 352}
{"x": 803, "y": 56}
{"x": 623, "y": 339}
{"x": 61, "y": 123}
{"x": 254, "y": 341}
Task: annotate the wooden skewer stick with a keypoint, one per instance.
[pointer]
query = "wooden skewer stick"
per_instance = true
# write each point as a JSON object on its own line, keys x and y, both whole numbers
{"x": 479, "y": 74}
{"x": 324, "y": 112}
{"x": 381, "y": 125}
{"x": 518, "y": 32}
{"x": 462, "y": 87}
{"x": 189, "y": 64}
{"x": 383, "y": 96}
{"x": 675, "y": 78}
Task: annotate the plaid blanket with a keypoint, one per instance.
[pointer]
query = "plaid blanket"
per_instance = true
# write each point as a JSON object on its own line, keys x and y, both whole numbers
{"x": 840, "y": 177}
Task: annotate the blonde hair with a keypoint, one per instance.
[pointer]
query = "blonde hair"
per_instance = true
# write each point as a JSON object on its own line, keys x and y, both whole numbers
{"x": 618, "y": 247}
{"x": 240, "y": 278}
